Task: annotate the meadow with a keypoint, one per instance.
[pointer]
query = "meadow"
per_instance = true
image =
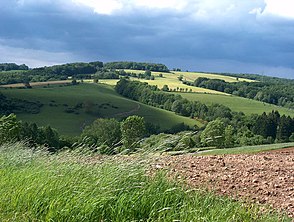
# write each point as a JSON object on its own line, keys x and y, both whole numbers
{"x": 70, "y": 186}
{"x": 70, "y": 108}
{"x": 238, "y": 104}
{"x": 191, "y": 76}
{"x": 169, "y": 79}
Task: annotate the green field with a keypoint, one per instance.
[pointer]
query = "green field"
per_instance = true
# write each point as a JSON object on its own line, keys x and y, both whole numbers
{"x": 171, "y": 79}
{"x": 247, "y": 149}
{"x": 238, "y": 104}
{"x": 100, "y": 100}
{"x": 70, "y": 186}
{"x": 191, "y": 76}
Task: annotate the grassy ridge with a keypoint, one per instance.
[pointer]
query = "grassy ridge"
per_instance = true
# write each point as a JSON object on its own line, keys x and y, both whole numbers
{"x": 101, "y": 100}
{"x": 238, "y": 104}
{"x": 69, "y": 187}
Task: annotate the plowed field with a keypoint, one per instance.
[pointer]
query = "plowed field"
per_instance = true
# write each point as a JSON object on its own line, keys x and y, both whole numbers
{"x": 265, "y": 178}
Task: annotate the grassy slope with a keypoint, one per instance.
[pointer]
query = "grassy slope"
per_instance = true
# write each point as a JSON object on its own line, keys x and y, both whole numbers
{"x": 69, "y": 123}
{"x": 247, "y": 149}
{"x": 191, "y": 76}
{"x": 65, "y": 187}
{"x": 237, "y": 104}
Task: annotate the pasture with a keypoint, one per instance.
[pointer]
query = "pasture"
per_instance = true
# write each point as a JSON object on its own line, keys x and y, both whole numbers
{"x": 237, "y": 104}
{"x": 70, "y": 108}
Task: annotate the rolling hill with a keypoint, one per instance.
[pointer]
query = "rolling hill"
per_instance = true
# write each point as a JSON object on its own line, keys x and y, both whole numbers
{"x": 70, "y": 108}
{"x": 238, "y": 104}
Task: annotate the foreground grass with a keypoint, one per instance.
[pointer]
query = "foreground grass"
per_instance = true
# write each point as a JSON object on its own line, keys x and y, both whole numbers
{"x": 66, "y": 187}
{"x": 247, "y": 149}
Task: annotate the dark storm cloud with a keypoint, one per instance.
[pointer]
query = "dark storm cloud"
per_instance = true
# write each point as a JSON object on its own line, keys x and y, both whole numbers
{"x": 66, "y": 32}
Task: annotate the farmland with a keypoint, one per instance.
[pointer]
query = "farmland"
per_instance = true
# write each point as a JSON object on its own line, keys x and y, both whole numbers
{"x": 191, "y": 76}
{"x": 70, "y": 108}
{"x": 264, "y": 177}
{"x": 238, "y": 104}
{"x": 169, "y": 79}
{"x": 207, "y": 96}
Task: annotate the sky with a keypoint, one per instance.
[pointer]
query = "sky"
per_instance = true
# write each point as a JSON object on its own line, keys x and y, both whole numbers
{"x": 240, "y": 36}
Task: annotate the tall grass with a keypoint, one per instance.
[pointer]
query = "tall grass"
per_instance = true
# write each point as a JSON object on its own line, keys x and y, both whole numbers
{"x": 36, "y": 186}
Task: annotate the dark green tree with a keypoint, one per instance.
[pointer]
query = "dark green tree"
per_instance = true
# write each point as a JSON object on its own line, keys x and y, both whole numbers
{"x": 9, "y": 128}
{"x": 102, "y": 132}
{"x": 214, "y": 134}
{"x": 133, "y": 129}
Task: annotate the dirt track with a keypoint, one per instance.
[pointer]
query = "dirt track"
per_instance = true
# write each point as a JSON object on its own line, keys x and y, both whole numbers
{"x": 265, "y": 178}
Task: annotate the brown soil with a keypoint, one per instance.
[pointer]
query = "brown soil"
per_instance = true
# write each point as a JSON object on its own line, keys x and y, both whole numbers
{"x": 264, "y": 178}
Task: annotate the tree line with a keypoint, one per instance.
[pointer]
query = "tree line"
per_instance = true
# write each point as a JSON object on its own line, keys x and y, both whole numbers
{"x": 106, "y": 136}
{"x": 12, "y": 66}
{"x": 137, "y": 66}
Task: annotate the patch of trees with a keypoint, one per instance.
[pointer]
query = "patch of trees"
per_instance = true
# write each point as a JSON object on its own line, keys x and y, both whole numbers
{"x": 12, "y": 66}
{"x": 103, "y": 73}
{"x": 70, "y": 69}
{"x": 144, "y": 75}
{"x": 278, "y": 91}
{"x": 109, "y": 136}
{"x": 137, "y": 66}
{"x": 13, "y": 105}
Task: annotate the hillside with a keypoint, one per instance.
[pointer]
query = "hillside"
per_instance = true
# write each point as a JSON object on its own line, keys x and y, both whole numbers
{"x": 70, "y": 108}
{"x": 238, "y": 104}
{"x": 207, "y": 96}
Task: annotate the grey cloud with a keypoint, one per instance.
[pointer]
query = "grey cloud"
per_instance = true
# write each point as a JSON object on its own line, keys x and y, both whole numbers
{"x": 236, "y": 42}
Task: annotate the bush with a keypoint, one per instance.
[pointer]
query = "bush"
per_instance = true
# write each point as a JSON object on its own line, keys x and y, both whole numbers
{"x": 102, "y": 132}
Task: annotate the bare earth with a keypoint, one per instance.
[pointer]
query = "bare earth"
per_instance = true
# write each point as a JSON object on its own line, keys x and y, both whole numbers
{"x": 264, "y": 178}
